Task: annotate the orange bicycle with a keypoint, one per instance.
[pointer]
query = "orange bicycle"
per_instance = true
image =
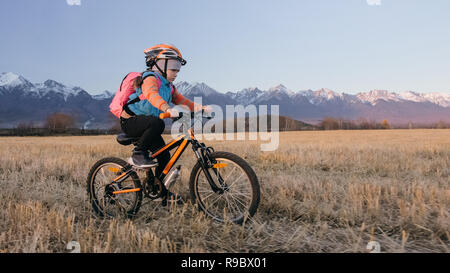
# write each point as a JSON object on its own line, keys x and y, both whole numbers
{"x": 221, "y": 184}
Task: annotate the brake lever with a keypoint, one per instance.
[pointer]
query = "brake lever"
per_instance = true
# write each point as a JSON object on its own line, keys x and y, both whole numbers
{"x": 193, "y": 115}
{"x": 180, "y": 115}
{"x": 203, "y": 113}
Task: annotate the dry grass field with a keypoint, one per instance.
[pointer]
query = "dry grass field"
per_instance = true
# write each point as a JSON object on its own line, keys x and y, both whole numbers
{"x": 322, "y": 191}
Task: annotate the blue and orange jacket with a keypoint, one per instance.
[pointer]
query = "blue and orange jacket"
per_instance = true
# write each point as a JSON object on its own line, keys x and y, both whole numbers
{"x": 158, "y": 99}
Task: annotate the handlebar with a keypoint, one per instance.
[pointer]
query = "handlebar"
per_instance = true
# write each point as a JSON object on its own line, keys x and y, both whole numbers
{"x": 167, "y": 115}
{"x": 164, "y": 115}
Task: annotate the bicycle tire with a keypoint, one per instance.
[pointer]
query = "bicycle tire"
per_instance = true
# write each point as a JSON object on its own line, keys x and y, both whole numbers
{"x": 93, "y": 195}
{"x": 250, "y": 175}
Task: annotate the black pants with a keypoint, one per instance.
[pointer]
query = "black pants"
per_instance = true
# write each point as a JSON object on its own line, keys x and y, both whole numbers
{"x": 149, "y": 130}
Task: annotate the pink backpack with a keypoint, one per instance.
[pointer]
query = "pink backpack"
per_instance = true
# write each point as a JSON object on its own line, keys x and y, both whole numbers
{"x": 125, "y": 90}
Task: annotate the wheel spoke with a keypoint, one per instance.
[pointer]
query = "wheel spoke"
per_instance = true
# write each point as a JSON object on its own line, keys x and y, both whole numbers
{"x": 236, "y": 180}
{"x": 243, "y": 195}
{"x": 233, "y": 205}
{"x": 238, "y": 201}
{"x": 228, "y": 205}
{"x": 210, "y": 205}
{"x": 212, "y": 193}
{"x": 226, "y": 179}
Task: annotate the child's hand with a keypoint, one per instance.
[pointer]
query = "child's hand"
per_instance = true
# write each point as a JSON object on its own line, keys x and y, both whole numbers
{"x": 207, "y": 108}
{"x": 173, "y": 112}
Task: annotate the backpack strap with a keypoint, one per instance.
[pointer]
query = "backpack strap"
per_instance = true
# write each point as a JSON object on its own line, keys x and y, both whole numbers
{"x": 141, "y": 96}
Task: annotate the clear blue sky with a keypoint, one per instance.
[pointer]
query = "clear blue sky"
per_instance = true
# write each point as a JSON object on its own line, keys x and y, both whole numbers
{"x": 345, "y": 45}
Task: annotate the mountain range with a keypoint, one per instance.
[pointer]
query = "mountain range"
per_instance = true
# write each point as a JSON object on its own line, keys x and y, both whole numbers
{"x": 24, "y": 102}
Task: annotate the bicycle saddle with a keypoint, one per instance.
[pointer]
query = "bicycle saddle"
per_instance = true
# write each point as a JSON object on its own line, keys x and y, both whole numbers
{"x": 123, "y": 139}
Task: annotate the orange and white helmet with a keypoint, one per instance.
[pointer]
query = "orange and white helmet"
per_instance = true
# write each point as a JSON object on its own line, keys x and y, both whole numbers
{"x": 162, "y": 51}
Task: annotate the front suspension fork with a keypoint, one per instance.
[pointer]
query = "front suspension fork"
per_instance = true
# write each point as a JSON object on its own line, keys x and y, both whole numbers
{"x": 206, "y": 163}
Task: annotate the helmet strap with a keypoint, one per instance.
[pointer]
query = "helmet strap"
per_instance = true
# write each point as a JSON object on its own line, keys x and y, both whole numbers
{"x": 165, "y": 68}
{"x": 164, "y": 73}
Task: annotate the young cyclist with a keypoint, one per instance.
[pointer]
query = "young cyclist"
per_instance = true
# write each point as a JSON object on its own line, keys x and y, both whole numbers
{"x": 140, "y": 118}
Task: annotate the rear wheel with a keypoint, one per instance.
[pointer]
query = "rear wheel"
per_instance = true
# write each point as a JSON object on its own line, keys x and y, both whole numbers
{"x": 236, "y": 193}
{"x": 101, "y": 188}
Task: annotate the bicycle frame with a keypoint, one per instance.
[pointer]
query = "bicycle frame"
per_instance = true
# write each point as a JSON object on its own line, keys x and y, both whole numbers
{"x": 181, "y": 143}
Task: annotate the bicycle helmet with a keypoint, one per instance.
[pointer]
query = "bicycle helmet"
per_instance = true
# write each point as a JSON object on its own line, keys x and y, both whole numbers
{"x": 165, "y": 55}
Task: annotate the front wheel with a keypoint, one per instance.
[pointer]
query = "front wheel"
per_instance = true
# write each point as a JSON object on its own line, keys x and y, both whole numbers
{"x": 235, "y": 193}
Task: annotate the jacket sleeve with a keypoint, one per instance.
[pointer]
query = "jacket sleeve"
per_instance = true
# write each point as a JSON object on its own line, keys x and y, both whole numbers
{"x": 179, "y": 99}
{"x": 151, "y": 93}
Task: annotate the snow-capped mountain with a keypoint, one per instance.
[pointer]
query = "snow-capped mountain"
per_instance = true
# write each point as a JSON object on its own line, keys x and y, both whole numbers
{"x": 441, "y": 99}
{"x": 10, "y": 81}
{"x": 312, "y": 106}
{"x": 248, "y": 95}
{"x": 23, "y": 101}
{"x": 326, "y": 95}
{"x": 323, "y": 95}
{"x": 276, "y": 93}
{"x": 374, "y": 96}
{"x": 104, "y": 95}
{"x": 195, "y": 88}
{"x": 208, "y": 95}
{"x": 412, "y": 96}
{"x": 51, "y": 87}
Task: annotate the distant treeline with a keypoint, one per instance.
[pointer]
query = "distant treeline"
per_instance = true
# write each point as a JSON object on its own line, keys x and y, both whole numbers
{"x": 331, "y": 123}
{"x": 55, "y": 124}
{"x": 55, "y": 132}
{"x": 253, "y": 124}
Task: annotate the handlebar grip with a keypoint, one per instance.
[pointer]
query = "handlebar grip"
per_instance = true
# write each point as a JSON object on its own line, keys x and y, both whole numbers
{"x": 164, "y": 115}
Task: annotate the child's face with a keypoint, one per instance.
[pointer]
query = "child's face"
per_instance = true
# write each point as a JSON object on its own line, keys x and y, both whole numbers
{"x": 172, "y": 74}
